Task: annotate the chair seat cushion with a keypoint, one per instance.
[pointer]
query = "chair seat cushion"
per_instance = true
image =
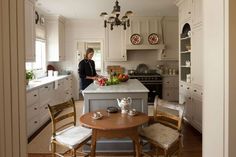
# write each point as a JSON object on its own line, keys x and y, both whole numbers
{"x": 73, "y": 136}
{"x": 171, "y": 107}
{"x": 160, "y": 134}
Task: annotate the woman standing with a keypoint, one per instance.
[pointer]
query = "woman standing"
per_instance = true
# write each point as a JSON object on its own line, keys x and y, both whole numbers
{"x": 87, "y": 72}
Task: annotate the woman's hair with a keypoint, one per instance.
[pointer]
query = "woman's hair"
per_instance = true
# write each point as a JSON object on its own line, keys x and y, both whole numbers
{"x": 89, "y": 50}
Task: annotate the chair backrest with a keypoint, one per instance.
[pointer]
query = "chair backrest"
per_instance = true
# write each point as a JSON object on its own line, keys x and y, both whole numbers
{"x": 62, "y": 115}
{"x": 168, "y": 113}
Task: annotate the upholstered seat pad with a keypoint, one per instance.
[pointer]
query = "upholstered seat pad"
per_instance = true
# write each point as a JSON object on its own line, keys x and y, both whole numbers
{"x": 161, "y": 134}
{"x": 171, "y": 107}
{"x": 73, "y": 136}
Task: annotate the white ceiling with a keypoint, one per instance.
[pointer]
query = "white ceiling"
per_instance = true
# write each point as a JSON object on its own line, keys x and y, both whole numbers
{"x": 91, "y": 9}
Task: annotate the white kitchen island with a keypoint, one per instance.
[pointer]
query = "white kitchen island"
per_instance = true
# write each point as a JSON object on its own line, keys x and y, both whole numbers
{"x": 100, "y": 97}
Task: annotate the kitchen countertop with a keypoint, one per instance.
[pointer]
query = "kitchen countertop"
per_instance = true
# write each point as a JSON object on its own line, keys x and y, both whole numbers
{"x": 43, "y": 81}
{"x": 132, "y": 85}
{"x": 166, "y": 75}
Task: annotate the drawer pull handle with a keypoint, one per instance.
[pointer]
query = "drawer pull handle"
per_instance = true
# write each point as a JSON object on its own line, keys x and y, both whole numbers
{"x": 167, "y": 82}
{"x": 46, "y": 87}
{"x": 35, "y": 108}
{"x": 35, "y": 122}
{"x": 181, "y": 85}
{"x": 46, "y": 107}
{"x": 35, "y": 94}
{"x": 189, "y": 98}
{"x": 195, "y": 90}
{"x": 188, "y": 88}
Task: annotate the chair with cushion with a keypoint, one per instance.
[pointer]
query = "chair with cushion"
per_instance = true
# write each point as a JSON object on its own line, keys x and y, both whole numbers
{"x": 164, "y": 136}
{"x": 64, "y": 130}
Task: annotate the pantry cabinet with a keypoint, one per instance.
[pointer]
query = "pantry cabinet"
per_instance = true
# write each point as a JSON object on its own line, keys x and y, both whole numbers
{"x": 197, "y": 56}
{"x": 197, "y": 12}
{"x": 29, "y": 30}
{"x": 55, "y": 38}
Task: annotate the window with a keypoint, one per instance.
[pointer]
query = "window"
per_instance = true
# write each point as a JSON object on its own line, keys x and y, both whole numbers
{"x": 39, "y": 66}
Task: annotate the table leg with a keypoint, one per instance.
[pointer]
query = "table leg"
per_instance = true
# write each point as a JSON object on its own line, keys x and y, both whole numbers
{"x": 135, "y": 138}
{"x": 93, "y": 143}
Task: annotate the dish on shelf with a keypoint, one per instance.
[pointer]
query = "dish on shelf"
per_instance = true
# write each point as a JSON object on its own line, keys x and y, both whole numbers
{"x": 97, "y": 115}
{"x": 153, "y": 39}
{"x": 135, "y": 39}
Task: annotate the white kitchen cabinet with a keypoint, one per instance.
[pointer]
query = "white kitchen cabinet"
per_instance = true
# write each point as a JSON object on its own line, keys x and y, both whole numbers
{"x": 197, "y": 57}
{"x": 185, "y": 10}
{"x": 29, "y": 30}
{"x": 196, "y": 12}
{"x": 170, "y": 36}
{"x": 39, "y": 98}
{"x": 55, "y": 38}
{"x": 115, "y": 44}
{"x": 170, "y": 89}
{"x": 197, "y": 109}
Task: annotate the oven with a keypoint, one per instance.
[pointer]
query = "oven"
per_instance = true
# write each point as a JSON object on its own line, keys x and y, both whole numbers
{"x": 153, "y": 83}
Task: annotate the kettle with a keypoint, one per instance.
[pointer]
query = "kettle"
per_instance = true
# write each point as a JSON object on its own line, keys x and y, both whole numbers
{"x": 124, "y": 104}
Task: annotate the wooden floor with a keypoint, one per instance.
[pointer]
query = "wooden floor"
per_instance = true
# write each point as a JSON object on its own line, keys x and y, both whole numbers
{"x": 192, "y": 141}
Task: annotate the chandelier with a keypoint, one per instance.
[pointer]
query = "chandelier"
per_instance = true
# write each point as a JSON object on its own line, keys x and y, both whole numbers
{"x": 114, "y": 19}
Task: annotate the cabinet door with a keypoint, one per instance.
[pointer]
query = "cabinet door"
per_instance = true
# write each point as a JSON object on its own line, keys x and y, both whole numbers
{"x": 171, "y": 94}
{"x": 29, "y": 31}
{"x": 197, "y": 56}
{"x": 170, "y": 39}
{"x": 197, "y": 115}
{"x": 61, "y": 41}
{"x": 197, "y": 12}
{"x": 185, "y": 10}
{"x": 115, "y": 44}
{"x": 188, "y": 108}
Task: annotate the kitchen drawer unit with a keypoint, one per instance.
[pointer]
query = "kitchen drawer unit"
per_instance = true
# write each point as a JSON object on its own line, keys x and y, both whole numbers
{"x": 32, "y": 97}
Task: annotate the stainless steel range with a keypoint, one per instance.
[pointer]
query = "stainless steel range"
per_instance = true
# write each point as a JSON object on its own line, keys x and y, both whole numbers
{"x": 152, "y": 80}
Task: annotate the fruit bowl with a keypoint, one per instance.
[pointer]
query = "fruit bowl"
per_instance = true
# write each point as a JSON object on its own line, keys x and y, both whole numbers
{"x": 123, "y": 77}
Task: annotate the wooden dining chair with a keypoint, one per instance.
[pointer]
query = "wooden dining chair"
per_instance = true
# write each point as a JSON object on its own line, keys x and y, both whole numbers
{"x": 64, "y": 130}
{"x": 164, "y": 135}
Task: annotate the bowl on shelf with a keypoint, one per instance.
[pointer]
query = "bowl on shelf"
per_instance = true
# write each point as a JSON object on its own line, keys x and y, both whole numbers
{"x": 188, "y": 47}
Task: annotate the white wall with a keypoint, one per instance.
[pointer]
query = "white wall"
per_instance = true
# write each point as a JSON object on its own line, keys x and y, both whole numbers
{"x": 214, "y": 79}
{"x": 78, "y": 30}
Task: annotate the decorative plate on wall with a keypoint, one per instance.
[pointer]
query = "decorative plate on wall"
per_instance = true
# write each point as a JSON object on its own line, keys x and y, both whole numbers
{"x": 135, "y": 39}
{"x": 153, "y": 39}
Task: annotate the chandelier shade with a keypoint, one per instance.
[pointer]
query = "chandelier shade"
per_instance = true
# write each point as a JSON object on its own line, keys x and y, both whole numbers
{"x": 114, "y": 20}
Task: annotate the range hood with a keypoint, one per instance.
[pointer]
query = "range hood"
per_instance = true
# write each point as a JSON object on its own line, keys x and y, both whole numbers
{"x": 145, "y": 47}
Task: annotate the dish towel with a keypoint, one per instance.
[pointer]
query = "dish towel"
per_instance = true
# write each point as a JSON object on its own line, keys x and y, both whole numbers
{"x": 55, "y": 84}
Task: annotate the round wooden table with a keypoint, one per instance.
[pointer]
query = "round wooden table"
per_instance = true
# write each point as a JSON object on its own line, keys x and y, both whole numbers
{"x": 114, "y": 125}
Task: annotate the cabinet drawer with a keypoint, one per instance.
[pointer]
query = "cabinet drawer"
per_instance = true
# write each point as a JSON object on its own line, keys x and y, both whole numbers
{"x": 171, "y": 94}
{"x": 32, "y": 97}
{"x": 44, "y": 113}
{"x": 33, "y": 110}
{"x": 170, "y": 82}
{"x": 184, "y": 89}
{"x": 33, "y": 125}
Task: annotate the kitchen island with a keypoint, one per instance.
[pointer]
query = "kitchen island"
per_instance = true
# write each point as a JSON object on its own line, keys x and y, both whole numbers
{"x": 100, "y": 97}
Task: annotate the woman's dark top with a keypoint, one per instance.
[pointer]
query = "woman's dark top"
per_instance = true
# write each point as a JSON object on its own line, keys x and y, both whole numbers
{"x": 86, "y": 68}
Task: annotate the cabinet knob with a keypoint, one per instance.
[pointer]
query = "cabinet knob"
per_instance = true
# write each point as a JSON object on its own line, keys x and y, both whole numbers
{"x": 187, "y": 87}
{"x": 189, "y": 12}
{"x": 181, "y": 85}
{"x": 46, "y": 87}
{"x": 195, "y": 90}
{"x": 167, "y": 82}
{"x": 35, "y": 122}
{"x": 123, "y": 56}
{"x": 46, "y": 108}
{"x": 189, "y": 98}
{"x": 35, "y": 108}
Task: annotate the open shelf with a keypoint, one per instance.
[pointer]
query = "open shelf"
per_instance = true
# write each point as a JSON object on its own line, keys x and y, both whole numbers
{"x": 185, "y": 54}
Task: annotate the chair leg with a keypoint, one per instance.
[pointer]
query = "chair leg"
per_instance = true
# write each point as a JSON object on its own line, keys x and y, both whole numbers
{"x": 74, "y": 152}
{"x": 53, "y": 149}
